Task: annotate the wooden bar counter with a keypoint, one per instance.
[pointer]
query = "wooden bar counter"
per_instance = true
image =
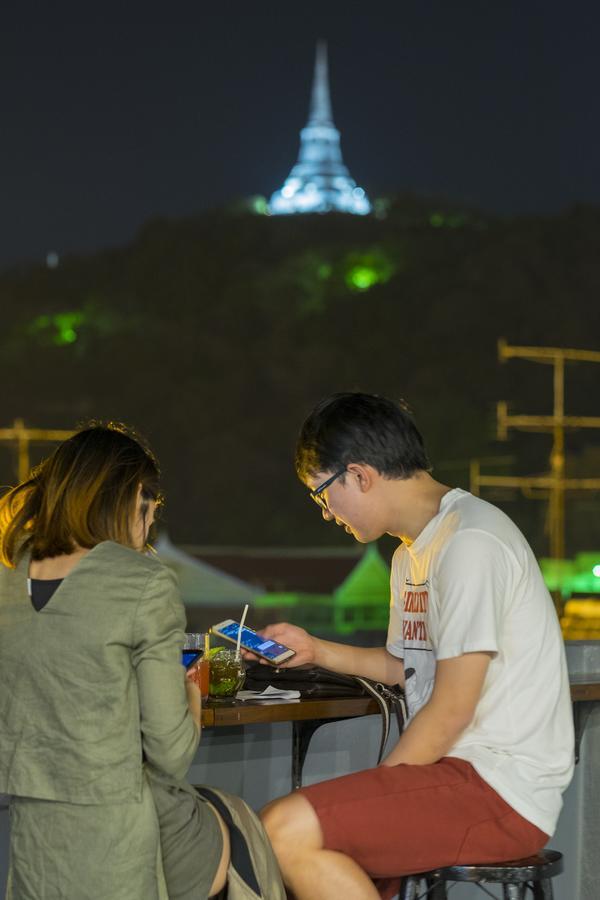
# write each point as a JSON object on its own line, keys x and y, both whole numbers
{"x": 250, "y": 712}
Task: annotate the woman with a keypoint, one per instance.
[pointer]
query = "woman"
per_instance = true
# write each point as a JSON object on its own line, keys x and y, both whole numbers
{"x": 97, "y": 715}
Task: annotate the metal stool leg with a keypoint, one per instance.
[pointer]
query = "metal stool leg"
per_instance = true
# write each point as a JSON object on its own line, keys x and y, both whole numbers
{"x": 408, "y": 888}
{"x": 513, "y": 891}
{"x": 542, "y": 890}
{"x": 436, "y": 889}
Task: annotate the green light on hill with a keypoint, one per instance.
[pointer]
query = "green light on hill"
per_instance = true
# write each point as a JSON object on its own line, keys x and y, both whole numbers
{"x": 439, "y": 220}
{"x": 260, "y": 206}
{"x": 59, "y": 329}
{"x": 362, "y": 277}
{"x": 65, "y": 324}
{"x": 364, "y": 270}
{"x": 381, "y": 207}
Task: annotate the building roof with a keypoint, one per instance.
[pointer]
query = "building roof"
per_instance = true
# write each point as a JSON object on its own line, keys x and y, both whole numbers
{"x": 368, "y": 584}
{"x": 307, "y": 570}
{"x": 203, "y": 584}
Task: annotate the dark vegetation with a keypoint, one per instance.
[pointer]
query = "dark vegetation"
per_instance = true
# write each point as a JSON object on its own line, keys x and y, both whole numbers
{"x": 215, "y": 335}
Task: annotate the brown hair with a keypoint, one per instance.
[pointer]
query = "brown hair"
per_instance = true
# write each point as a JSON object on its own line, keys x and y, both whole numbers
{"x": 83, "y": 494}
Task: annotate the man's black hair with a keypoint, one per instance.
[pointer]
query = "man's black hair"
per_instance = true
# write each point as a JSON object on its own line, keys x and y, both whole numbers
{"x": 360, "y": 428}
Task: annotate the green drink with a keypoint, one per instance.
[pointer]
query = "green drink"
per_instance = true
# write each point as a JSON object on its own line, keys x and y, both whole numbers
{"x": 226, "y": 674}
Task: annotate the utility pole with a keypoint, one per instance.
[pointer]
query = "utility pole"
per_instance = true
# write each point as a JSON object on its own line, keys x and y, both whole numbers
{"x": 554, "y": 485}
{"x": 23, "y": 437}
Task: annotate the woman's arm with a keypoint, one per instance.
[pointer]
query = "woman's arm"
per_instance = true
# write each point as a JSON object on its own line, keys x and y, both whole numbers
{"x": 170, "y": 733}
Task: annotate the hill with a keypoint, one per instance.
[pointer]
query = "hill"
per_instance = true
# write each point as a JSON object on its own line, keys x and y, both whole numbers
{"x": 215, "y": 335}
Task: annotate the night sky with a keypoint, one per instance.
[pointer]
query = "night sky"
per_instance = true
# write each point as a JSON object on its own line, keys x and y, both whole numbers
{"x": 115, "y": 113}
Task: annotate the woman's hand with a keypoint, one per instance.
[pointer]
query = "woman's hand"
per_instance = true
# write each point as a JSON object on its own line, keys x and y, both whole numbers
{"x": 293, "y": 637}
{"x": 194, "y": 698}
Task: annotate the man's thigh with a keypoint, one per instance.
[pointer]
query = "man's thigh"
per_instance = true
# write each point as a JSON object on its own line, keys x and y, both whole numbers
{"x": 401, "y": 819}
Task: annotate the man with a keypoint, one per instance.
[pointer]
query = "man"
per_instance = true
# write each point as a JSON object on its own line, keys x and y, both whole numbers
{"x": 473, "y": 638}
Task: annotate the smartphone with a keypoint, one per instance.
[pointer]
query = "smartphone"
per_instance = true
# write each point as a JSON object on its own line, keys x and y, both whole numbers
{"x": 270, "y": 650}
{"x": 189, "y": 657}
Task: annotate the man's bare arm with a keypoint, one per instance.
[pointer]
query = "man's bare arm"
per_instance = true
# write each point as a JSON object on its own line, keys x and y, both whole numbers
{"x": 438, "y": 725}
{"x": 371, "y": 662}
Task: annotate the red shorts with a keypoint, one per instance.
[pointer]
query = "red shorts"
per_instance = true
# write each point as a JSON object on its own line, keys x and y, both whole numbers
{"x": 397, "y": 820}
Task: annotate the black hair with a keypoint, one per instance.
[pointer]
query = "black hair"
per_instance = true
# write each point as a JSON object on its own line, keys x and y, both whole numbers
{"x": 360, "y": 428}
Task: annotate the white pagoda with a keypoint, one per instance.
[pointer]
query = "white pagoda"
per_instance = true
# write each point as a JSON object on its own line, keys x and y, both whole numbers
{"x": 320, "y": 182}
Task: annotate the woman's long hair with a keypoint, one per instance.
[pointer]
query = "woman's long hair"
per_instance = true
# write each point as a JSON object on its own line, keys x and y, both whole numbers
{"x": 83, "y": 494}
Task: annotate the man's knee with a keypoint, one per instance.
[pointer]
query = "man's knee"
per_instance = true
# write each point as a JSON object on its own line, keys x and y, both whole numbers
{"x": 292, "y": 825}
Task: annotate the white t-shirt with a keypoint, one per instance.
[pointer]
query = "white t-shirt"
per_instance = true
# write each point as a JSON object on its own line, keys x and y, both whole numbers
{"x": 470, "y": 582}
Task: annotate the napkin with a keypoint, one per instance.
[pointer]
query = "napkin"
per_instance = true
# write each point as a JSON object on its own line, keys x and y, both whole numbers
{"x": 269, "y": 693}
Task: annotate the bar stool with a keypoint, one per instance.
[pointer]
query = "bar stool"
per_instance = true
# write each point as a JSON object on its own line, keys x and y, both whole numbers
{"x": 533, "y": 872}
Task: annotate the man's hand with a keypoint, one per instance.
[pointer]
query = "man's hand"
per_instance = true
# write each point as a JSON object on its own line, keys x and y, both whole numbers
{"x": 293, "y": 637}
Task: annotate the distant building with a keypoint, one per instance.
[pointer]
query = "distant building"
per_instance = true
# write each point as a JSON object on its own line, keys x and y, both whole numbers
{"x": 337, "y": 591}
{"x": 320, "y": 182}
{"x": 307, "y": 570}
{"x": 362, "y": 601}
{"x": 328, "y": 590}
{"x": 209, "y": 594}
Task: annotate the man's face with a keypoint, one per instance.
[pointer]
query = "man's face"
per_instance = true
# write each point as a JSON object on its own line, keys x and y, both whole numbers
{"x": 346, "y": 502}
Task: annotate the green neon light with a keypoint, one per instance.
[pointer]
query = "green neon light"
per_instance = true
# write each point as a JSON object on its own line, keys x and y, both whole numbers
{"x": 573, "y": 576}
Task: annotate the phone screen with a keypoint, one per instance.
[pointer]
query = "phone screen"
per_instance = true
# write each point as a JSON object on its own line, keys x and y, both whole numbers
{"x": 253, "y": 641}
{"x": 189, "y": 657}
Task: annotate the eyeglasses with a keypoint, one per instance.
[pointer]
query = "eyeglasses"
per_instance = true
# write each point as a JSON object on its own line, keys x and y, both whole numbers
{"x": 317, "y": 494}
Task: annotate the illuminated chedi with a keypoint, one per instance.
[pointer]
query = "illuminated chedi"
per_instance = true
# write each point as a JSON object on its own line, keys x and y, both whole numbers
{"x": 320, "y": 182}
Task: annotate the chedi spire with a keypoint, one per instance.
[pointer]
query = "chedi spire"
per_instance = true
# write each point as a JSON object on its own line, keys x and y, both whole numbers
{"x": 320, "y": 182}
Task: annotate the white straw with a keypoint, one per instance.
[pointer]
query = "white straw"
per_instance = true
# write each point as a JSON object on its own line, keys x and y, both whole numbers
{"x": 242, "y": 620}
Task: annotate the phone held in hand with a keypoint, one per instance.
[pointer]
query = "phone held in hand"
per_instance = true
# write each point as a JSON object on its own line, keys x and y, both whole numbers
{"x": 189, "y": 657}
{"x": 270, "y": 650}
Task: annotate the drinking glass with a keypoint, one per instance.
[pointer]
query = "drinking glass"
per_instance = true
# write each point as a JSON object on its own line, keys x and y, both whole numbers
{"x": 226, "y": 675}
{"x": 200, "y": 671}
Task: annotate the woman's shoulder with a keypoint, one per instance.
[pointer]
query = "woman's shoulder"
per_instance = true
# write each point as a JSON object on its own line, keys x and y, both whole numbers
{"x": 125, "y": 559}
